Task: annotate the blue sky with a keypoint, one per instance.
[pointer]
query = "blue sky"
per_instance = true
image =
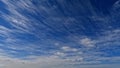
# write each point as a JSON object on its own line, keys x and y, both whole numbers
{"x": 59, "y": 33}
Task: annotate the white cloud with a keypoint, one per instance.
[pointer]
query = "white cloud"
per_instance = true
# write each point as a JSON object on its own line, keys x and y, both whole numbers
{"x": 67, "y": 48}
{"x": 87, "y": 42}
{"x": 60, "y": 54}
{"x": 51, "y": 62}
{"x": 39, "y": 62}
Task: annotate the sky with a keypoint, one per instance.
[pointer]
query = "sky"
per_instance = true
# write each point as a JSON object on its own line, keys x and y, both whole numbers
{"x": 59, "y": 33}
